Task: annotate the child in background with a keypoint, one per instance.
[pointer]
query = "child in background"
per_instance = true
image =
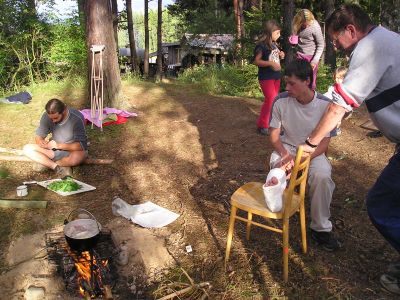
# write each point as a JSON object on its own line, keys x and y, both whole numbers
{"x": 338, "y": 77}
{"x": 267, "y": 57}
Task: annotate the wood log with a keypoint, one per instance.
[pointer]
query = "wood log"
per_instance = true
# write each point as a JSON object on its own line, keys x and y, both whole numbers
{"x": 88, "y": 161}
{"x": 107, "y": 292}
{"x": 16, "y": 203}
{"x": 13, "y": 151}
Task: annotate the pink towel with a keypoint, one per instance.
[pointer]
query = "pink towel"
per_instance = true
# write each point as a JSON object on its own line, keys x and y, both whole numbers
{"x": 106, "y": 111}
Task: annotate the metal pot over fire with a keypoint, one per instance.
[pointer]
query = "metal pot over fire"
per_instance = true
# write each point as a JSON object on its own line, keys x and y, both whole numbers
{"x": 82, "y": 233}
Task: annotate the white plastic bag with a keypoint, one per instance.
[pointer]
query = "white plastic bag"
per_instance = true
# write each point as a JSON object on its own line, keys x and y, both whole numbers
{"x": 120, "y": 207}
{"x": 273, "y": 194}
{"x": 147, "y": 214}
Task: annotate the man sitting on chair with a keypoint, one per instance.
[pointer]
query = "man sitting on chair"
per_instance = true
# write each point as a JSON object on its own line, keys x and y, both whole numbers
{"x": 68, "y": 144}
{"x": 296, "y": 112}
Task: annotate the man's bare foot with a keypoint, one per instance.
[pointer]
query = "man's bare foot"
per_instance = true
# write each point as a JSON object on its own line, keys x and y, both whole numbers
{"x": 39, "y": 167}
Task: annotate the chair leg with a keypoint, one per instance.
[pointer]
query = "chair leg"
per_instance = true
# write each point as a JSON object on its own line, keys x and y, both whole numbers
{"x": 230, "y": 233}
{"x": 303, "y": 228}
{"x": 248, "y": 225}
{"x": 285, "y": 249}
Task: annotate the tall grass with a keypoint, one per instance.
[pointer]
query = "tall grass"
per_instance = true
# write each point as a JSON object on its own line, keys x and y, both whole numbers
{"x": 224, "y": 80}
{"x": 239, "y": 81}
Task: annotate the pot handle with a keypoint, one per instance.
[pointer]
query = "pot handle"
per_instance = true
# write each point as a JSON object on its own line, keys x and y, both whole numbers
{"x": 84, "y": 210}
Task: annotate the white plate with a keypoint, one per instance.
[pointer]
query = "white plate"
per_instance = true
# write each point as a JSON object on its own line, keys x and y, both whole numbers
{"x": 84, "y": 187}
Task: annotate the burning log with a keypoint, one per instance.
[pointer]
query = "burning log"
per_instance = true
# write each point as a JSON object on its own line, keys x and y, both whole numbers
{"x": 90, "y": 274}
{"x": 87, "y": 296}
{"x": 107, "y": 292}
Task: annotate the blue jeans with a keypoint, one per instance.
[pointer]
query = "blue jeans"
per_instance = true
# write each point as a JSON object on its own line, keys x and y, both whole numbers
{"x": 383, "y": 202}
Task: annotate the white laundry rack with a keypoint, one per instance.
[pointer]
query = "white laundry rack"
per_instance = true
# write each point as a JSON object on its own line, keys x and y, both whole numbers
{"x": 96, "y": 84}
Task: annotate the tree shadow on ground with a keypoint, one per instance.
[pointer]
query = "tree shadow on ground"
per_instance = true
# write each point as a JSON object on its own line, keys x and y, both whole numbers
{"x": 235, "y": 154}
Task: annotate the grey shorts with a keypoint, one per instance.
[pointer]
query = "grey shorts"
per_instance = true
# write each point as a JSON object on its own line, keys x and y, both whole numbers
{"x": 59, "y": 154}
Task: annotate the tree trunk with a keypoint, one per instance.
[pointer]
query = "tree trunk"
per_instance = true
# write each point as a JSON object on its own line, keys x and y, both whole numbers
{"x": 159, "y": 43}
{"x": 238, "y": 21}
{"x": 146, "y": 39}
{"x": 99, "y": 31}
{"x": 390, "y": 10}
{"x": 131, "y": 35}
{"x": 288, "y": 13}
{"x": 114, "y": 6}
{"x": 81, "y": 12}
{"x": 241, "y": 10}
{"x": 330, "y": 54}
{"x": 31, "y": 4}
{"x": 265, "y": 7}
{"x": 255, "y": 4}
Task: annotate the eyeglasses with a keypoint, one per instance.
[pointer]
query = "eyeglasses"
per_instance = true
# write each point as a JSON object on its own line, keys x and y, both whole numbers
{"x": 335, "y": 40}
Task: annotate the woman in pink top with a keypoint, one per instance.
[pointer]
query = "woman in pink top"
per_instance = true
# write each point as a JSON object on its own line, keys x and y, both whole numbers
{"x": 308, "y": 37}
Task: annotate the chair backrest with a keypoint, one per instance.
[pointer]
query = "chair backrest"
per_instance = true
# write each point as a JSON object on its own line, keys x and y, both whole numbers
{"x": 298, "y": 178}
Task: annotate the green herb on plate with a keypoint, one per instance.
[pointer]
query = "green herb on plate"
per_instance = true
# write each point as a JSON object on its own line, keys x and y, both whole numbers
{"x": 65, "y": 185}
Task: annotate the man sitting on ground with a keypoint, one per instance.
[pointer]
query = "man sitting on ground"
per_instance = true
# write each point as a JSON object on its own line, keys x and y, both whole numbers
{"x": 67, "y": 146}
{"x": 296, "y": 112}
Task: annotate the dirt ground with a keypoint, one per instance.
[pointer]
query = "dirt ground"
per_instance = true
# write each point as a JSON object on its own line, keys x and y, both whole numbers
{"x": 188, "y": 152}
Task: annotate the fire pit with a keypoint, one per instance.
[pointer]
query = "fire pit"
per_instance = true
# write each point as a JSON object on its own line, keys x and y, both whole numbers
{"x": 92, "y": 273}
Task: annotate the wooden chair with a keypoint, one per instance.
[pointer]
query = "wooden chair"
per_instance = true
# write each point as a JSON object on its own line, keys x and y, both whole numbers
{"x": 250, "y": 198}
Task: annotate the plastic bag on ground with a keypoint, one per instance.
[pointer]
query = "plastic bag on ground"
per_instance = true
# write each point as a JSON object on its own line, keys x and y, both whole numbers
{"x": 273, "y": 194}
{"x": 147, "y": 214}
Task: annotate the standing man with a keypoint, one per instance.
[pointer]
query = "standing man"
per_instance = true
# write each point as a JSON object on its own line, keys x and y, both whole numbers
{"x": 296, "y": 112}
{"x": 373, "y": 77}
{"x": 68, "y": 144}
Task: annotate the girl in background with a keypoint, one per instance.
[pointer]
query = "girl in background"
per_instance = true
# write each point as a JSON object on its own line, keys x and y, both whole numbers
{"x": 267, "y": 57}
{"x": 308, "y": 37}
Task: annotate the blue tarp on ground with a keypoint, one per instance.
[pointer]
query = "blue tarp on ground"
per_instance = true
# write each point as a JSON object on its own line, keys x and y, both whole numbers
{"x": 20, "y": 98}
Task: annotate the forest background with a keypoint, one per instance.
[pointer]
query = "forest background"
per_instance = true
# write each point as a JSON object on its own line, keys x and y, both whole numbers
{"x": 40, "y": 46}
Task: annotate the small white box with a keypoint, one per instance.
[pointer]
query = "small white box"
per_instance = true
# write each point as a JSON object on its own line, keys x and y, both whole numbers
{"x": 22, "y": 191}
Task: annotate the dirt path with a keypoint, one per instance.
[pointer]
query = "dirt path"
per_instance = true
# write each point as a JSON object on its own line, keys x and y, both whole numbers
{"x": 188, "y": 152}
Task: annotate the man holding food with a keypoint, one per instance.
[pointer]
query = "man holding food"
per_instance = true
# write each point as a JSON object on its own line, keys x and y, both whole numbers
{"x": 67, "y": 146}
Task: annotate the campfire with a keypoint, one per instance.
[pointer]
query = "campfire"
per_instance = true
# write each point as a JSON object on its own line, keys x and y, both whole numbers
{"x": 90, "y": 274}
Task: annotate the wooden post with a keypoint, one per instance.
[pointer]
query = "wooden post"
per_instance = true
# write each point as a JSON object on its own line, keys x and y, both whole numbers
{"x": 96, "y": 84}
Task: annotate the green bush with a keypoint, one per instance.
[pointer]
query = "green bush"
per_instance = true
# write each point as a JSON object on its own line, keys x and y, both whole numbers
{"x": 67, "y": 53}
{"x": 324, "y": 78}
{"x": 224, "y": 80}
{"x": 240, "y": 81}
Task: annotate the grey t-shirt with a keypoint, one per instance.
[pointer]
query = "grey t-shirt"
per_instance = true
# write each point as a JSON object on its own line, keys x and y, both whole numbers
{"x": 70, "y": 130}
{"x": 298, "y": 120}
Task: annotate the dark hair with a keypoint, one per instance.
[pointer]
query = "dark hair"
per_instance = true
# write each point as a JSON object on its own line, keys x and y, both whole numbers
{"x": 55, "y": 106}
{"x": 348, "y": 14}
{"x": 266, "y": 38}
{"x": 301, "y": 69}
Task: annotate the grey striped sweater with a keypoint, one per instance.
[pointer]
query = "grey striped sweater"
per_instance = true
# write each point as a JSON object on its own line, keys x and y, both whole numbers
{"x": 311, "y": 41}
{"x": 374, "y": 77}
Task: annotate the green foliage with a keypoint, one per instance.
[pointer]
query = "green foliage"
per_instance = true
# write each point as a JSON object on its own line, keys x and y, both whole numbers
{"x": 206, "y": 16}
{"x": 238, "y": 81}
{"x": 67, "y": 54}
{"x": 209, "y": 22}
{"x": 324, "y": 78}
{"x": 35, "y": 48}
{"x": 224, "y": 80}
{"x": 132, "y": 77}
{"x": 172, "y": 30}
{"x": 23, "y": 61}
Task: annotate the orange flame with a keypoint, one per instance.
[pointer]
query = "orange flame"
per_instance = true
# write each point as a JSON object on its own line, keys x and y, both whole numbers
{"x": 83, "y": 267}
